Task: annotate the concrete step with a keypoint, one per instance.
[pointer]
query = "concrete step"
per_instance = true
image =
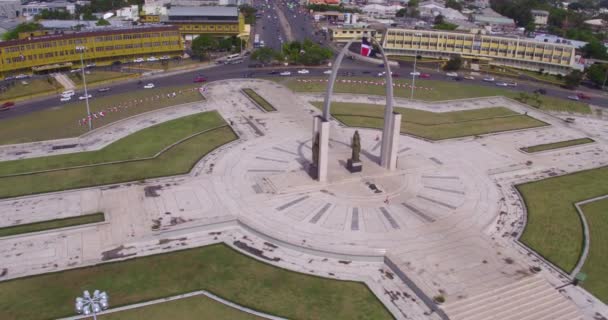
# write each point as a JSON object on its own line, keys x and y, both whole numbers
{"x": 457, "y": 306}
{"x": 542, "y": 300}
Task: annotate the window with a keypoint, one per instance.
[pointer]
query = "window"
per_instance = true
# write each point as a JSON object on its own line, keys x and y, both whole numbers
{"x": 118, "y": 37}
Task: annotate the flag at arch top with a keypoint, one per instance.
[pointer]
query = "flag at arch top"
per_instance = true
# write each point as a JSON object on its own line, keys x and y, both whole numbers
{"x": 366, "y": 47}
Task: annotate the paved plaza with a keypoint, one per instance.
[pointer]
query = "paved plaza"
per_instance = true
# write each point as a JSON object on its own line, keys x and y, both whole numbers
{"x": 445, "y": 223}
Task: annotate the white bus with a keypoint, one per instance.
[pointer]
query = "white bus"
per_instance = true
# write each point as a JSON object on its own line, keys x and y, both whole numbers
{"x": 233, "y": 58}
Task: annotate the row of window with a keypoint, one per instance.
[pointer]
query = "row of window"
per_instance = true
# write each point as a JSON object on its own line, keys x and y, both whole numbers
{"x": 61, "y": 53}
{"x": 209, "y": 27}
{"x": 517, "y": 55}
{"x": 60, "y": 43}
{"x": 478, "y": 47}
{"x": 483, "y": 40}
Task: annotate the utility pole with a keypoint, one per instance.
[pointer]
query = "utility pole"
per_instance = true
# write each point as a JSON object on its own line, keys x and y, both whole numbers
{"x": 414, "y": 76}
{"x": 84, "y": 81}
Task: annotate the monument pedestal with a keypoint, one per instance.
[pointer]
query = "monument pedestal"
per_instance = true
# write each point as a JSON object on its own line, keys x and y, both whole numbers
{"x": 354, "y": 166}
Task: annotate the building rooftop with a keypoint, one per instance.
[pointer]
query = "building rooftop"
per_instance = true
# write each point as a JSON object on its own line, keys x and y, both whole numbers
{"x": 208, "y": 11}
{"x": 540, "y": 12}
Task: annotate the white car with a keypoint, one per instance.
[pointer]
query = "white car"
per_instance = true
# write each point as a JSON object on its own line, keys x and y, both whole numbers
{"x": 165, "y": 58}
{"x": 469, "y": 77}
{"x": 502, "y": 84}
{"x": 89, "y": 96}
{"x": 65, "y": 98}
{"x": 512, "y": 84}
{"x": 285, "y": 73}
{"x": 303, "y": 71}
{"x": 327, "y": 72}
{"x": 152, "y": 59}
{"x": 415, "y": 73}
{"x": 22, "y": 76}
{"x": 75, "y": 70}
{"x": 138, "y": 60}
{"x": 452, "y": 74}
{"x": 575, "y": 98}
{"x": 149, "y": 86}
{"x": 488, "y": 79}
{"x": 90, "y": 65}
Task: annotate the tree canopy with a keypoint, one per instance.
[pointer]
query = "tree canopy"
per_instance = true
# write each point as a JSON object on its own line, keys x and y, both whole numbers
{"x": 307, "y": 52}
{"x": 455, "y": 63}
{"x": 597, "y": 73}
{"x": 573, "y": 79}
{"x": 202, "y": 44}
{"x": 24, "y": 27}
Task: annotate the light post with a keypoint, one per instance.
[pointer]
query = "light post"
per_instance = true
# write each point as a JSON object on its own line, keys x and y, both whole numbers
{"x": 82, "y": 49}
{"x": 605, "y": 78}
{"x": 414, "y": 76}
{"x": 94, "y": 304}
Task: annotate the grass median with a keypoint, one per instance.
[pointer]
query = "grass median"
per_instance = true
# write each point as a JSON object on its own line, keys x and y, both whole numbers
{"x": 183, "y": 309}
{"x": 217, "y": 269}
{"x": 261, "y": 102}
{"x": 51, "y": 224}
{"x": 596, "y": 214}
{"x": 137, "y": 148}
{"x": 431, "y": 125}
{"x": 557, "y": 145}
{"x": 62, "y": 121}
{"x": 33, "y": 87}
{"x": 96, "y": 76}
{"x": 554, "y": 229}
{"x": 430, "y": 90}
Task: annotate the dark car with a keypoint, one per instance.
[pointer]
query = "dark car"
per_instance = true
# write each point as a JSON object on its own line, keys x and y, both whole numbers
{"x": 274, "y": 72}
{"x": 540, "y": 91}
{"x": 459, "y": 78}
{"x": 583, "y": 96}
{"x": 199, "y": 79}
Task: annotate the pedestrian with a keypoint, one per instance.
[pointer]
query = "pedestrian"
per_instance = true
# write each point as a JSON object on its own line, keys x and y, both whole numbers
{"x": 386, "y": 200}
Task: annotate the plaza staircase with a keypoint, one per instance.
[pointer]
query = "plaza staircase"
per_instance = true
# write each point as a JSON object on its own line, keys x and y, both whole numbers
{"x": 531, "y": 298}
{"x": 66, "y": 82}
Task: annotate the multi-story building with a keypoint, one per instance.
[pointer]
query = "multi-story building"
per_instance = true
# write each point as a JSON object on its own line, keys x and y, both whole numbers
{"x": 61, "y": 51}
{"x": 540, "y": 17}
{"x": 522, "y": 53}
{"x": 216, "y": 21}
{"x": 347, "y": 33}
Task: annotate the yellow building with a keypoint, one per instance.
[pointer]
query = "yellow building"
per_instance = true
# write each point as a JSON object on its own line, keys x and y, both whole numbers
{"x": 47, "y": 53}
{"x": 216, "y": 21}
{"x": 519, "y": 53}
{"x": 345, "y": 33}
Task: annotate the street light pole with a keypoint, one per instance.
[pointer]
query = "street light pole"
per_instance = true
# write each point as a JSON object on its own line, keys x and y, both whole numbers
{"x": 84, "y": 81}
{"x": 605, "y": 78}
{"x": 414, "y": 76}
{"x": 88, "y": 304}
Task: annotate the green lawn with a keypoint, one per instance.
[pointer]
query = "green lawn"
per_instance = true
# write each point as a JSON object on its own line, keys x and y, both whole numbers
{"x": 441, "y": 90}
{"x": 434, "y": 126}
{"x": 215, "y": 268}
{"x": 259, "y": 100}
{"x": 596, "y": 214}
{"x": 145, "y": 143}
{"x": 62, "y": 121}
{"x": 557, "y": 145}
{"x": 97, "y": 76}
{"x": 51, "y": 224}
{"x": 34, "y": 87}
{"x": 554, "y": 228}
{"x": 191, "y": 308}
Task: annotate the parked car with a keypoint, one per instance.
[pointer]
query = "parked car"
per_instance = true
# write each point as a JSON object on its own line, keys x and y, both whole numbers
{"x": 91, "y": 65}
{"x": 165, "y": 58}
{"x": 488, "y": 79}
{"x": 68, "y": 93}
{"x": 303, "y": 71}
{"x": 152, "y": 59}
{"x": 65, "y": 98}
{"x": 459, "y": 78}
{"x": 285, "y": 73}
{"x": 9, "y": 78}
{"x": 452, "y": 74}
{"x": 138, "y": 60}
{"x": 103, "y": 89}
{"x": 512, "y": 84}
{"x": 199, "y": 79}
{"x": 414, "y": 73}
{"x": 469, "y": 77}
{"x": 149, "y": 86}
{"x": 88, "y": 96}
{"x": 575, "y": 98}
{"x": 273, "y": 72}
{"x": 425, "y": 75}
{"x": 583, "y": 96}
{"x": 22, "y": 76}
{"x": 75, "y": 70}
{"x": 502, "y": 84}
{"x": 327, "y": 72}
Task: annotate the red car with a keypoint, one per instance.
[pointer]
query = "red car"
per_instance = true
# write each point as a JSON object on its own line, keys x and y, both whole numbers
{"x": 199, "y": 79}
{"x": 582, "y": 96}
{"x": 7, "y": 106}
{"x": 425, "y": 75}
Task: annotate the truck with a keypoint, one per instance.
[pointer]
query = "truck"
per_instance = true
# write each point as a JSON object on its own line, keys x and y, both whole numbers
{"x": 262, "y": 45}
{"x": 256, "y": 41}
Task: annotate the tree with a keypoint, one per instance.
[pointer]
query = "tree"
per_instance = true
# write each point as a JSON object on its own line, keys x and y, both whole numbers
{"x": 248, "y": 13}
{"x": 575, "y": 6}
{"x": 454, "y": 5}
{"x": 413, "y": 4}
{"x": 102, "y": 22}
{"x": 594, "y": 49}
{"x": 54, "y": 14}
{"x": 403, "y": 12}
{"x": 24, "y": 27}
{"x": 439, "y": 19}
{"x": 202, "y": 44}
{"x": 597, "y": 73}
{"x": 455, "y": 63}
{"x": 573, "y": 79}
{"x": 264, "y": 55}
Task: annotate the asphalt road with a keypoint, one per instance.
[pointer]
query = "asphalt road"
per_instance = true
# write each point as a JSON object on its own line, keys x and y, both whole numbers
{"x": 273, "y": 33}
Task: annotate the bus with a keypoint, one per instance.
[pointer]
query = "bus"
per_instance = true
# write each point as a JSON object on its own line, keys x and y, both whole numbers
{"x": 233, "y": 58}
{"x": 256, "y": 41}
